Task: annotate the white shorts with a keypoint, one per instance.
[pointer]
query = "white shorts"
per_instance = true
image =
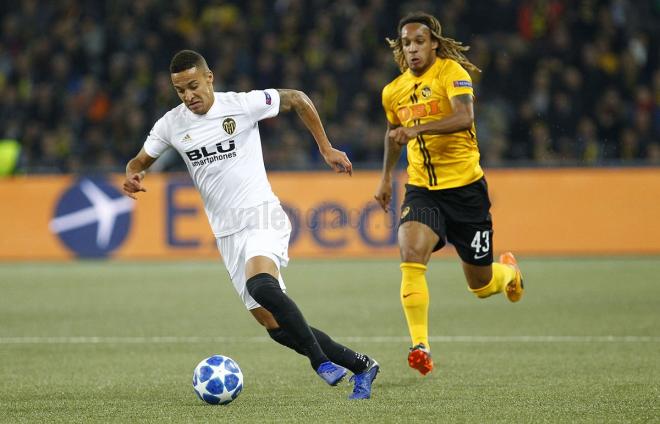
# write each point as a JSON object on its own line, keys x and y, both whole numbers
{"x": 270, "y": 240}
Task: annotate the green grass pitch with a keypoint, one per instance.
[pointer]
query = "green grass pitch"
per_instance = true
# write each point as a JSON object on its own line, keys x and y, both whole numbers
{"x": 117, "y": 342}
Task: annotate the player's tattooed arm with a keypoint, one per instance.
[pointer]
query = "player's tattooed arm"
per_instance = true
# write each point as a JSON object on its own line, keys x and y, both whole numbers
{"x": 463, "y": 98}
{"x": 298, "y": 101}
{"x": 288, "y": 98}
{"x": 301, "y": 103}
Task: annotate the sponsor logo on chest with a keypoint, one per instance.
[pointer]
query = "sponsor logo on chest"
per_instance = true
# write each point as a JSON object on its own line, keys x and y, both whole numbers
{"x": 208, "y": 151}
{"x": 419, "y": 110}
{"x": 215, "y": 151}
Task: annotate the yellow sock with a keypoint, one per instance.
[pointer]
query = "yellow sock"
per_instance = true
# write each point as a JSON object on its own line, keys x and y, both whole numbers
{"x": 502, "y": 275}
{"x": 415, "y": 301}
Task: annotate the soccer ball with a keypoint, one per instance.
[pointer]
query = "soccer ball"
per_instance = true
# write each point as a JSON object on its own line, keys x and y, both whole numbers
{"x": 217, "y": 380}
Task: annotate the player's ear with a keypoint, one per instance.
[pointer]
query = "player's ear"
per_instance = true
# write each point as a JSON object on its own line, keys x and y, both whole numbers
{"x": 209, "y": 77}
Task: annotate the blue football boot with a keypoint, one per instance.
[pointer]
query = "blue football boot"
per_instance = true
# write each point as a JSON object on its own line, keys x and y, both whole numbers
{"x": 363, "y": 381}
{"x": 331, "y": 373}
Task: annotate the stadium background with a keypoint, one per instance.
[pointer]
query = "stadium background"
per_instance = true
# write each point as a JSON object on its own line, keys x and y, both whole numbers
{"x": 569, "y": 86}
{"x": 568, "y": 115}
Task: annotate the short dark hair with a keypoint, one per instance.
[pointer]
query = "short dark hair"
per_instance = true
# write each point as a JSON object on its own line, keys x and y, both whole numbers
{"x": 186, "y": 59}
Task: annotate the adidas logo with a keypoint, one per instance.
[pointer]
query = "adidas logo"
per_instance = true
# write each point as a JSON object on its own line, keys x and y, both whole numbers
{"x": 186, "y": 139}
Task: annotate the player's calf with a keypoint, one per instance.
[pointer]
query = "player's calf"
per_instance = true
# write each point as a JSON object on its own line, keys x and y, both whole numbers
{"x": 265, "y": 289}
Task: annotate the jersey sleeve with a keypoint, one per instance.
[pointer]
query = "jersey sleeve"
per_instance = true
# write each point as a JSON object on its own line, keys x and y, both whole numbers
{"x": 262, "y": 104}
{"x": 458, "y": 81}
{"x": 386, "y": 99}
{"x": 157, "y": 141}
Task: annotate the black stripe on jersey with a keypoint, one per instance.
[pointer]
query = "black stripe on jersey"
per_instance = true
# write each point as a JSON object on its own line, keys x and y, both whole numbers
{"x": 433, "y": 179}
{"x": 412, "y": 96}
{"x": 427, "y": 158}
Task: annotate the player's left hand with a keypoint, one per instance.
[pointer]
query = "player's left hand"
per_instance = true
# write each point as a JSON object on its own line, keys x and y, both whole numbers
{"x": 401, "y": 135}
{"x": 338, "y": 161}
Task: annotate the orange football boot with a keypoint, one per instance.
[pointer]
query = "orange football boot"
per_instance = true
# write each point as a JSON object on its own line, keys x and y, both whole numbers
{"x": 420, "y": 359}
{"x": 515, "y": 288}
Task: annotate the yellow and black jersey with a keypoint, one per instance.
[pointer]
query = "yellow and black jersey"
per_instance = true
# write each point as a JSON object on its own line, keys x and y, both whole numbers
{"x": 434, "y": 161}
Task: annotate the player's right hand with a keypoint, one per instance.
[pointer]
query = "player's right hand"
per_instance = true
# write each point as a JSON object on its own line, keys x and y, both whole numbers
{"x": 402, "y": 135}
{"x": 384, "y": 194}
{"x": 132, "y": 185}
{"x": 338, "y": 161}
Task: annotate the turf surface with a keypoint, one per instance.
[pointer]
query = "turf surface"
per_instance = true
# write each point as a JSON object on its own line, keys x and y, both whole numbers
{"x": 117, "y": 342}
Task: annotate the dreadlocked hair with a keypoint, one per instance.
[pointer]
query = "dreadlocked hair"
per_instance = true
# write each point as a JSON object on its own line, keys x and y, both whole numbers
{"x": 448, "y": 48}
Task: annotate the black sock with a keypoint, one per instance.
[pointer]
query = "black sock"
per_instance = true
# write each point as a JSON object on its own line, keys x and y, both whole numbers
{"x": 283, "y": 338}
{"x": 339, "y": 354}
{"x": 265, "y": 289}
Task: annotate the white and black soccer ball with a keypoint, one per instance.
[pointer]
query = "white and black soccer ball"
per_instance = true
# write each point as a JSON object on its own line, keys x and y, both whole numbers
{"x": 217, "y": 380}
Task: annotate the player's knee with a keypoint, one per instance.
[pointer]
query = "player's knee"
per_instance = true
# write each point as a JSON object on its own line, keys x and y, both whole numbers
{"x": 259, "y": 282}
{"x": 414, "y": 253}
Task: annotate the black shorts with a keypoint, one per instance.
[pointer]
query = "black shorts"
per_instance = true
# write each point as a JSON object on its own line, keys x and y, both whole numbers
{"x": 459, "y": 215}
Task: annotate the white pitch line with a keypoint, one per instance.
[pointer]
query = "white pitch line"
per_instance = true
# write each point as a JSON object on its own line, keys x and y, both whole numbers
{"x": 353, "y": 339}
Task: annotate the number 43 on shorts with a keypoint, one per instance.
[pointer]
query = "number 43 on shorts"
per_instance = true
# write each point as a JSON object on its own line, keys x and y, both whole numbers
{"x": 481, "y": 243}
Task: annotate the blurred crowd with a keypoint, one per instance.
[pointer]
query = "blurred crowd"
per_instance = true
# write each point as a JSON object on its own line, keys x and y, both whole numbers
{"x": 563, "y": 82}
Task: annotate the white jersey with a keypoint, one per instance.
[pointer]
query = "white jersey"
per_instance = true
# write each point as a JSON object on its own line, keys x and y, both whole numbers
{"x": 222, "y": 150}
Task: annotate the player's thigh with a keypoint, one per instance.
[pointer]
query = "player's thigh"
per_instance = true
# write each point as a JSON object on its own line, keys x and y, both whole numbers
{"x": 474, "y": 245}
{"x": 421, "y": 225}
{"x": 263, "y": 246}
{"x": 267, "y": 246}
{"x": 469, "y": 223}
{"x": 232, "y": 250}
{"x": 473, "y": 241}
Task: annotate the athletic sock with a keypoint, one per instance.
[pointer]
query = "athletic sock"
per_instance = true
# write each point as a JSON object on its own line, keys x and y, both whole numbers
{"x": 502, "y": 275}
{"x": 415, "y": 301}
{"x": 341, "y": 355}
{"x": 265, "y": 289}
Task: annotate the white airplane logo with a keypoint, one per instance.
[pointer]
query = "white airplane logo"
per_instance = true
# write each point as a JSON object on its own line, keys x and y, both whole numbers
{"x": 104, "y": 210}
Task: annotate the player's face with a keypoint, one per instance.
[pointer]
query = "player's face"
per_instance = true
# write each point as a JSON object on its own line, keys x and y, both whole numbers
{"x": 418, "y": 47}
{"x": 195, "y": 89}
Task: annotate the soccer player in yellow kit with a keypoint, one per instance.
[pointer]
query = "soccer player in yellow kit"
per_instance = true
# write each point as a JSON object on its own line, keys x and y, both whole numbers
{"x": 429, "y": 110}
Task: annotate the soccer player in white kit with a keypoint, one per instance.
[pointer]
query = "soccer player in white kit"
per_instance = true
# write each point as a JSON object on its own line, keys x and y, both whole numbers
{"x": 217, "y": 135}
